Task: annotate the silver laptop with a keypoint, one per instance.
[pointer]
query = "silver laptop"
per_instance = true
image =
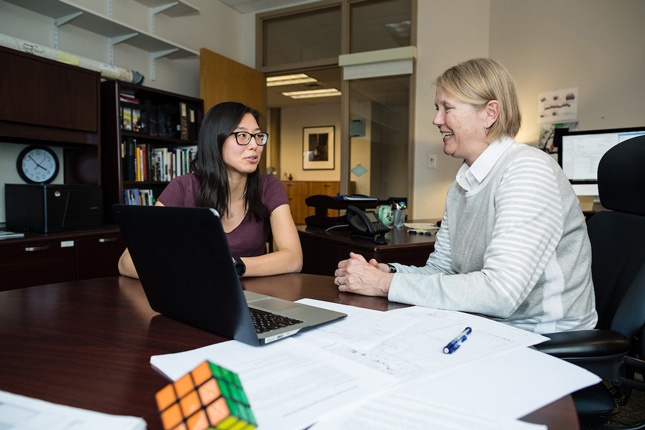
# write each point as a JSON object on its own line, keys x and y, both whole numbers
{"x": 187, "y": 272}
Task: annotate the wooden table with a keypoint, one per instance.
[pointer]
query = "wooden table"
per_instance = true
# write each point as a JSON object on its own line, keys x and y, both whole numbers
{"x": 322, "y": 250}
{"x": 88, "y": 343}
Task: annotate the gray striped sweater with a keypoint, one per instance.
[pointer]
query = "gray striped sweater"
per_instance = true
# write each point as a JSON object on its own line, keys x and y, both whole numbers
{"x": 514, "y": 248}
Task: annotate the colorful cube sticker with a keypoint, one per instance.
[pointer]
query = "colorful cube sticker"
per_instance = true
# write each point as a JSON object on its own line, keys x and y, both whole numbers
{"x": 209, "y": 397}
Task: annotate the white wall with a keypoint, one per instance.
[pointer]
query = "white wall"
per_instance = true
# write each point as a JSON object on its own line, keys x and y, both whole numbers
{"x": 595, "y": 45}
{"x": 448, "y": 33}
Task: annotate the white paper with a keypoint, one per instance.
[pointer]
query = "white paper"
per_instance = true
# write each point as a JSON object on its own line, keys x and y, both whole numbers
{"x": 418, "y": 347}
{"x": 293, "y": 382}
{"x": 509, "y": 385}
{"x": 362, "y": 330}
{"x": 20, "y": 412}
{"x": 399, "y": 411}
{"x": 288, "y": 383}
{"x": 421, "y": 226}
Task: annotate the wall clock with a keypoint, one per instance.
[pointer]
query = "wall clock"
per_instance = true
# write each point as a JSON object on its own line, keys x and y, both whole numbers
{"x": 37, "y": 164}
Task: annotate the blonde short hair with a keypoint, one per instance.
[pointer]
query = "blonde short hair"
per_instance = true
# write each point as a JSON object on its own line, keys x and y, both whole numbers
{"x": 480, "y": 81}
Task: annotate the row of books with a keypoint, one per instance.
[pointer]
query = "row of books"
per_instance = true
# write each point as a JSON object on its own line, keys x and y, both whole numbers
{"x": 138, "y": 196}
{"x": 146, "y": 162}
{"x": 131, "y": 119}
{"x": 179, "y": 120}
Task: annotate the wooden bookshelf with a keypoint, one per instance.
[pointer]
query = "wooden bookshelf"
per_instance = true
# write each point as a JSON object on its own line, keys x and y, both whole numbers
{"x": 167, "y": 122}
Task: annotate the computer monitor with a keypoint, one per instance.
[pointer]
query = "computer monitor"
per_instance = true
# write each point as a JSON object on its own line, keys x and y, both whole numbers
{"x": 579, "y": 153}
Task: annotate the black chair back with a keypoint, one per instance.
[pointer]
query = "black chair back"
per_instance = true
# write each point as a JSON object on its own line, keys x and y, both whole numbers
{"x": 618, "y": 238}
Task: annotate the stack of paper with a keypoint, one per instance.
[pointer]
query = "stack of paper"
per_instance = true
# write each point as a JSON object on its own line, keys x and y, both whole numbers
{"x": 330, "y": 374}
{"x": 19, "y": 412}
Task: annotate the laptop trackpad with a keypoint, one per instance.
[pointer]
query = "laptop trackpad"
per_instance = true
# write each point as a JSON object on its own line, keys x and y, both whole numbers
{"x": 274, "y": 304}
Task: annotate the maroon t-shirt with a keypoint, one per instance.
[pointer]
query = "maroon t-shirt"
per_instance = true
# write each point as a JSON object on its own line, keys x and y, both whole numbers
{"x": 249, "y": 238}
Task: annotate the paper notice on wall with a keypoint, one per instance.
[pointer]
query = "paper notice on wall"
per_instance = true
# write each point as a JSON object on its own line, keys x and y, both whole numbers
{"x": 558, "y": 106}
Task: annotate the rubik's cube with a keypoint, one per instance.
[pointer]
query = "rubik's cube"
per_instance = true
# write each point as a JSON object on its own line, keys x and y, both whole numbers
{"x": 209, "y": 397}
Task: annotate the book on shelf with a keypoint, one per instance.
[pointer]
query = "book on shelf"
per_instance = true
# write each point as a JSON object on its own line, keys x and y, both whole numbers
{"x": 147, "y": 197}
{"x": 142, "y": 162}
{"x": 146, "y": 162}
{"x": 185, "y": 156}
{"x": 127, "y": 118}
{"x": 183, "y": 120}
{"x": 136, "y": 120}
{"x": 192, "y": 123}
{"x": 160, "y": 160}
{"x": 131, "y": 196}
{"x": 129, "y": 161}
{"x": 128, "y": 98}
{"x": 139, "y": 197}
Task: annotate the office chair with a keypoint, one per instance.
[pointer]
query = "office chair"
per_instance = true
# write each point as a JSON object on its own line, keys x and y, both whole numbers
{"x": 615, "y": 348}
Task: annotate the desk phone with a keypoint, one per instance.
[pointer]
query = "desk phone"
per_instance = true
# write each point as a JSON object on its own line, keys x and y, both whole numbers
{"x": 365, "y": 223}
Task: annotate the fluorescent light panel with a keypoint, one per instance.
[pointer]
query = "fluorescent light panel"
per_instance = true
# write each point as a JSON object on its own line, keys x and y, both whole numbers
{"x": 301, "y": 78}
{"x": 329, "y": 92}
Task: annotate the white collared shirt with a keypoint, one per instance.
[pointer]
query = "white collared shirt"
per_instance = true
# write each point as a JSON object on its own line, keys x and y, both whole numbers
{"x": 469, "y": 177}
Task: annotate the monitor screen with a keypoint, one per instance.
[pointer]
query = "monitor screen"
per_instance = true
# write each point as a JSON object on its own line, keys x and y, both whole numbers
{"x": 579, "y": 153}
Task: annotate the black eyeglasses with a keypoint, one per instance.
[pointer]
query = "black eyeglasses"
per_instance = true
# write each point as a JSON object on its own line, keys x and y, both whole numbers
{"x": 244, "y": 137}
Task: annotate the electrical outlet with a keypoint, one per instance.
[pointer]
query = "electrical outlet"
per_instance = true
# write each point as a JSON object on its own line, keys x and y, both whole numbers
{"x": 432, "y": 161}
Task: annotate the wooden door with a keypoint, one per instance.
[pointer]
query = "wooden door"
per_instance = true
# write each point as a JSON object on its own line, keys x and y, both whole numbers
{"x": 222, "y": 80}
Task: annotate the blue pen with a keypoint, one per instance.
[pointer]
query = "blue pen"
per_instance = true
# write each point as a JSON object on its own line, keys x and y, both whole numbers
{"x": 456, "y": 342}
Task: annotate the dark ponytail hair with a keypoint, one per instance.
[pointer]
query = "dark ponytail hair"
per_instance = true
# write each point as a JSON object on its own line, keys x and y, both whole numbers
{"x": 208, "y": 166}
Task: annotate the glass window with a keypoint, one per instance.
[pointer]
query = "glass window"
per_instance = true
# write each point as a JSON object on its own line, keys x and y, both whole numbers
{"x": 379, "y": 24}
{"x": 302, "y": 37}
{"x": 379, "y": 150}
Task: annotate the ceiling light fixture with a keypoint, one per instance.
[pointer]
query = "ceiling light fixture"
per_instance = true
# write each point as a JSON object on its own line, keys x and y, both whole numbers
{"x": 301, "y": 78}
{"x": 328, "y": 92}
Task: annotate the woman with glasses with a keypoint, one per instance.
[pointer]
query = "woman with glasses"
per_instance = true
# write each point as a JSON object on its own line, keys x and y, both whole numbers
{"x": 225, "y": 176}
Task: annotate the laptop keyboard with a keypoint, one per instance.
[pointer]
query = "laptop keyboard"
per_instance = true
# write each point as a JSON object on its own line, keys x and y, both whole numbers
{"x": 265, "y": 321}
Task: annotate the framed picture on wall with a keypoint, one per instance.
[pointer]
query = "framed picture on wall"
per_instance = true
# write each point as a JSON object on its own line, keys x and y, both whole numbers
{"x": 318, "y": 148}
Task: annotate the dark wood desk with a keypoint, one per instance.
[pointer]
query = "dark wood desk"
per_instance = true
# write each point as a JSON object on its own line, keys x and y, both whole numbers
{"x": 88, "y": 343}
{"x": 322, "y": 250}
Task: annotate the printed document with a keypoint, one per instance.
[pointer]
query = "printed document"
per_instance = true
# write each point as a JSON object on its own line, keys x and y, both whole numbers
{"x": 294, "y": 382}
{"x": 389, "y": 411}
{"x": 20, "y": 412}
{"x": 413, "y": 345}
{"x": 288, "y": 383}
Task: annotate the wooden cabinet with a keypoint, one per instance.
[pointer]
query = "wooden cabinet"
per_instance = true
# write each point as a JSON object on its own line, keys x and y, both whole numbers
{"x": 97, "y": 256}
{"x": 37, "y": 262}
{"x": 298, "y": 191}
{"x": 55, "y": 104}
{"x": 44, "y": 259}
{"x": 166, "y": 121}
{"x": 47, "y": 100}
